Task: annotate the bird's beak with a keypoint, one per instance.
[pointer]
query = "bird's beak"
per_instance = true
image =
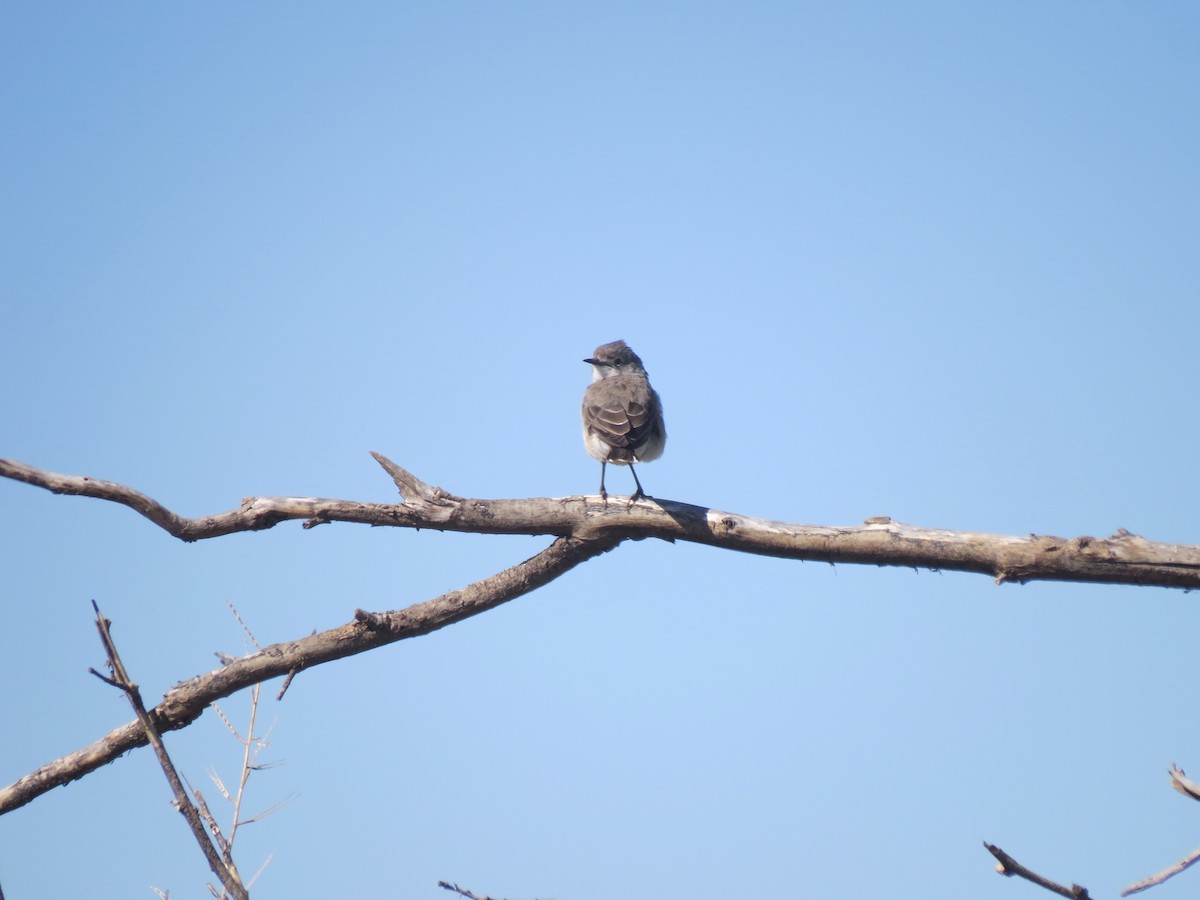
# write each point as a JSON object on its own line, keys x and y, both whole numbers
{"x": 591, "y": 362}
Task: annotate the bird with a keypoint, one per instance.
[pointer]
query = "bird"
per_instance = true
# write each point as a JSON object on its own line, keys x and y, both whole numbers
{"x": 622, "y": 413}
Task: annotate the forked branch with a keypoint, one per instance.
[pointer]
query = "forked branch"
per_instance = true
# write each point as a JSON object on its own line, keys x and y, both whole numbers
{"x": 583, "y": 527}
{"x": 224, "y": 869}
{"x": 184, "y": 703}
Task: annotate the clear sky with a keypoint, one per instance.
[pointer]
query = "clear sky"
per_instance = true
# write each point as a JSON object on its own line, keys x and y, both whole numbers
{"x": 937, "y": 261}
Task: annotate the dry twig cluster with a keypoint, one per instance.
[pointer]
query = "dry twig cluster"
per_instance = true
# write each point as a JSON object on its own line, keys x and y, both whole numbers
{"x": 581, "y": 528}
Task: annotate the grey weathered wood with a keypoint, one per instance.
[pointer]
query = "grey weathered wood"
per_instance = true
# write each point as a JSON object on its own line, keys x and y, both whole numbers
{"x": 583, "y": 527}
{"x": 1123, "y": 558}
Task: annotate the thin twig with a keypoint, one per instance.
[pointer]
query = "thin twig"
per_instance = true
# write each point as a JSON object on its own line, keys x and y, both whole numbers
{"x": 214, "y": 827}
{"x": 245, "y": 628}
{"x": 451, "y": 886}
{"x": 287, "y": 683}
{"x": 1162, "y": 876}
{"x": 252, "y": 746}
{"x": 1008, "y": 866}
{"x": 1189, "y": 788}
{"x": 227, "y": 876}
{"x": 266, "y": 862}
{"x": 247, "y": 743}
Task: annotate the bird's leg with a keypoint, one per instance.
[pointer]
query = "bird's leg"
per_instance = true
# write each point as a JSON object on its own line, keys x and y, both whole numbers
{"x": 639, "y": 493}
{"x": 603, "y": 492}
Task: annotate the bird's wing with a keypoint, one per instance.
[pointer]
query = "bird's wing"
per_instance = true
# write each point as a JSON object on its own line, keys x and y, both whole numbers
{"x": 623, "y": 421}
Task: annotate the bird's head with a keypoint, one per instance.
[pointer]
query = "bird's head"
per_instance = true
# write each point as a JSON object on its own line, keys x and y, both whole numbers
{"x": 613, "y": 359}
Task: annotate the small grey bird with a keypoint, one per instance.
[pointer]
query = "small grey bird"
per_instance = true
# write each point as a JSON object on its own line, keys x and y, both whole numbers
{"x": 622, "y": 415}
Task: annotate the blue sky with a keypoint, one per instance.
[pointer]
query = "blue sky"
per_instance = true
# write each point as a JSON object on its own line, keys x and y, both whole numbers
{"x": 935, "y": 261}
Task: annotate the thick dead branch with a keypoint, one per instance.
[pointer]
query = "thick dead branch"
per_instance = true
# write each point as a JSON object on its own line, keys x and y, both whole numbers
{"x": 184, "y": 703}
{"x": 224, "y": 869}
{"x": 1123, "y": 558}
{"x": 1008, "y": 866}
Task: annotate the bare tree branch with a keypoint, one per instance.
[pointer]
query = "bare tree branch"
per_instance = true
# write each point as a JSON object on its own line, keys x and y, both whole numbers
{"x": 1189, "y": 788}
{"x": 1123, "y": 558}
{"x": 1183, "y": 784}
{"x": 583, "y": 527}
{"x": 224, "y": 869}
{"x": 1008, "y": 867}
{"x": 454, "y": 888}
{"x": 184, "y": 703}
{"x": 1162, "y": 876}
